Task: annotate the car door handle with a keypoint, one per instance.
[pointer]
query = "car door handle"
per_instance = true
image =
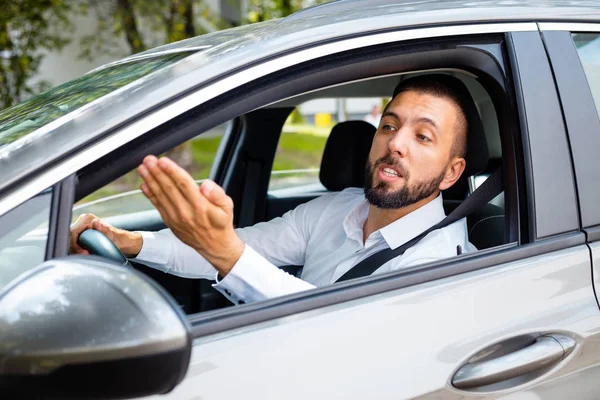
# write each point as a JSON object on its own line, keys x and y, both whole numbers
{"x": 545, "y": 351}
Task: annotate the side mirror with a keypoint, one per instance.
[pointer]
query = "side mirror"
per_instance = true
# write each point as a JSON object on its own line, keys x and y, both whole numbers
{"x": 84, "y": 327}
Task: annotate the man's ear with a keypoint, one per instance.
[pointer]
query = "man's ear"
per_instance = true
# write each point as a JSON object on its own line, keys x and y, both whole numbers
{"x": 453, "y": 171}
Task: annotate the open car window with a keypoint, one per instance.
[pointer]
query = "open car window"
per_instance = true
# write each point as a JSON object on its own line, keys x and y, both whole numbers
{"x": 301, "y": 141}
{"x": 123, "y": 195}
{"x": 304, "y": 135}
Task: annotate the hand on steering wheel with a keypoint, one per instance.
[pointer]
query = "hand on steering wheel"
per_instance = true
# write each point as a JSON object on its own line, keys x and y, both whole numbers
{"x": 90, "y": 235}
{"x": 97, "y": 243}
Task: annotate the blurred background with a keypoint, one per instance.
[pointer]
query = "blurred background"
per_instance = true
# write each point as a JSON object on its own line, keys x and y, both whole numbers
{"x": 46, "y": 43}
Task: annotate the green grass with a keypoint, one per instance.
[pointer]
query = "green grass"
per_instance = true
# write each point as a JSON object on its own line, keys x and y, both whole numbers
{"x": 298, "y": 150}
{"x": 203, "y": 155}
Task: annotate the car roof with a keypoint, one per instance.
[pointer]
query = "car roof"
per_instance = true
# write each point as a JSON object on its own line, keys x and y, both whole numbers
{"x": 219, "y": 53}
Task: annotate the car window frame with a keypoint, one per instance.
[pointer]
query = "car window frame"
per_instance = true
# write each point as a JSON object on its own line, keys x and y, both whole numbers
{"x": 353, "y": 290}
{"x": 580, "y": 114}
{"x": 61, "y": 208}
{"x": 303, "y": 300}
{"x": 320, "y": 297}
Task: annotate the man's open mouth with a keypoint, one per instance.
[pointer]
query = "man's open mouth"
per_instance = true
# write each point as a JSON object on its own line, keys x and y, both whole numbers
{"x": 390, "y": 171}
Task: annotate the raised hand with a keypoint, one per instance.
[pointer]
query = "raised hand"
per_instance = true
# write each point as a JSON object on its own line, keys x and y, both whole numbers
{"x": 201, "y": 217}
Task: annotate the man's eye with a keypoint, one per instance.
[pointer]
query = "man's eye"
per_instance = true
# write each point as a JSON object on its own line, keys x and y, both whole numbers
{"x": 387, "y": 127}
{"x": 423, "y": 138}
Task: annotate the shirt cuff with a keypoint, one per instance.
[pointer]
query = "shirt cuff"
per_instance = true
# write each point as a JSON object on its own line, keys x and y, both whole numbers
{"x": 154, "y": 250}
{"x": 253, "y": 278}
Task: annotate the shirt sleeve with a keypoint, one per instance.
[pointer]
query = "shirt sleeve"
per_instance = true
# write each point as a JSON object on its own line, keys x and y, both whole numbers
{"x": 162, "y": 250}
{"x": 255, "y": 276}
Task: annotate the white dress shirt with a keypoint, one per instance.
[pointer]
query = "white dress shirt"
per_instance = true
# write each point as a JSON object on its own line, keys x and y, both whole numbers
{"x": 325, "y": 235}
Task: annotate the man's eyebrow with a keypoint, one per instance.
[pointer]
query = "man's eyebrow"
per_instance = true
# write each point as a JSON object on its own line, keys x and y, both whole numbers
{"x": 390, "y": 114}
{"x": 428, "y": 121}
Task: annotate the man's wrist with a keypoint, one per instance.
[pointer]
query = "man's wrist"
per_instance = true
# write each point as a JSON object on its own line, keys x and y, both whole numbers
{"x": 225, "y": 259}
{"x": 133, "y": 244}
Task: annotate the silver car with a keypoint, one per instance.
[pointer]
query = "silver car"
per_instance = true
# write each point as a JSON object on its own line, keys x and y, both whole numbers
{"x": 518, "y": 319}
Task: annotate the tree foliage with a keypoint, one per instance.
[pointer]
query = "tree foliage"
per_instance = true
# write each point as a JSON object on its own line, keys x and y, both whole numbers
{"x": 143, "y": 24}
{"x": 27, "y": 29}
{"x": 264, "y": 10}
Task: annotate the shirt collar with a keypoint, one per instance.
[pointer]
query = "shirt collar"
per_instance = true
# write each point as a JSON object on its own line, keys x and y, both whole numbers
{"x": 355, "y": 220}
{"x": 400, "y": 231}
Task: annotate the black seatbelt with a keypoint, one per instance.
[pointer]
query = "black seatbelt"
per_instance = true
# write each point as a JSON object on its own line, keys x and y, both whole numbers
{"x": 489, "y": 189}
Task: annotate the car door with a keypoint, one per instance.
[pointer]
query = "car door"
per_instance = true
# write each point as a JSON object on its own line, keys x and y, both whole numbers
{"x": 519, "y": 320}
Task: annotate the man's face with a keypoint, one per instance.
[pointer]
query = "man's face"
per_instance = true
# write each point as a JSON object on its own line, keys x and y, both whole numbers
{"x": 411, "y": 152}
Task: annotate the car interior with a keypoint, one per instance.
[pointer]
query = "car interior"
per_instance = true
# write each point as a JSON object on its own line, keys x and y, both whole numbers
{"x": 247, "y": 170}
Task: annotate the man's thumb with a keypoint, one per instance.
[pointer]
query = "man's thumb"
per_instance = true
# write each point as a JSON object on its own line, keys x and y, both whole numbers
{"x": 215, "y": 194}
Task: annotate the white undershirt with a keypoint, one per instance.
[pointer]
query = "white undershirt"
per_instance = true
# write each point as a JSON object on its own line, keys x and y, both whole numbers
{"x": 325, "y": 235}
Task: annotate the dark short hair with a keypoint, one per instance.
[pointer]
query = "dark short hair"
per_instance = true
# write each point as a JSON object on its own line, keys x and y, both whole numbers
{"x": 444, "y": 86}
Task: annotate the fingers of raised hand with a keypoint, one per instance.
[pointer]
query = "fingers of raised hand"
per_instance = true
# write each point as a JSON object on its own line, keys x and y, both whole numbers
{"x": 180, "y": 178}
{"x": 170, "y": 188}
{"x": 216, "y": 195}
{"x": 159, "y": 184}
{"x": 158, "y": 187}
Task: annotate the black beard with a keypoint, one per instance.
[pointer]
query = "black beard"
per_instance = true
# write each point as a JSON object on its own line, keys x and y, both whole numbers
{"x": 380, "y": 197}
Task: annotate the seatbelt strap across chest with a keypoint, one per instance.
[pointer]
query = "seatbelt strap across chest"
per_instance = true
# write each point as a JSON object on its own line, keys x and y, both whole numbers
{"x": 489, "y": 189}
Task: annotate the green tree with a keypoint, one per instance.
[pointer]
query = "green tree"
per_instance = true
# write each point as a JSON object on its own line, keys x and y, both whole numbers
{"x": 263, "y": 10}
{"x": 28, "y": 28}
{"x": 145, "y": 24}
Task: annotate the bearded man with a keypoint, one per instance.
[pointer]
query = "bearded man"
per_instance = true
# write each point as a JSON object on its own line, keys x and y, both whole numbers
{"x": 419, "y": 150}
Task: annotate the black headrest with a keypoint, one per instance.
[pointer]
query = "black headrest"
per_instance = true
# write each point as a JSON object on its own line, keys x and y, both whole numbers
{"x": 477, "y": 150}
{"x": 345, "y": 155}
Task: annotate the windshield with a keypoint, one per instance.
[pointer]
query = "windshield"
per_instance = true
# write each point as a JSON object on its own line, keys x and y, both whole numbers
{"x": 24, "y": 118}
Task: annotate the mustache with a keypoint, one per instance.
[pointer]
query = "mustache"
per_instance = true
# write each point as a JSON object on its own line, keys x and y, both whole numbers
{"x": 389, "y": 160}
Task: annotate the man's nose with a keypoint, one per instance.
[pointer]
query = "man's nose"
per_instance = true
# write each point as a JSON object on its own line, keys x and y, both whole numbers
{"x": 398, "y": 143}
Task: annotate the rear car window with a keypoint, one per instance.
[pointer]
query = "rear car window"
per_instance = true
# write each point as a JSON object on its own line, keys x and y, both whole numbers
{"x": 588, "y": 48}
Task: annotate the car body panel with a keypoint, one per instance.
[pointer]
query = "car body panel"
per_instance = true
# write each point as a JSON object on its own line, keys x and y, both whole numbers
{"x": 372, "y": 348}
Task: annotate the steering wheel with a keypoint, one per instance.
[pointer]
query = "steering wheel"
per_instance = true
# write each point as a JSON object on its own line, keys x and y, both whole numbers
{"x": 98, "y": 244}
